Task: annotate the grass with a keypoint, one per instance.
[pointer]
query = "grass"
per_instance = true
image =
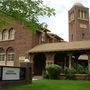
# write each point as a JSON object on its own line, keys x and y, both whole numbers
{"x": 54, "y": 85}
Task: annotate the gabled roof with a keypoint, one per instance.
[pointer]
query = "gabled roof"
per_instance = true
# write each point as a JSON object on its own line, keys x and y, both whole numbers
{"x": 70, "y": 46}
{"x": 52, "y": 35}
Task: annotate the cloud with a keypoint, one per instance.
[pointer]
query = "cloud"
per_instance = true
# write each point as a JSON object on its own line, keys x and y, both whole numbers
{"x": 59, "y": 23}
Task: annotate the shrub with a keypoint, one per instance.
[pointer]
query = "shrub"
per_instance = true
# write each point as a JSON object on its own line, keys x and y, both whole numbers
{"x": 66, "y": 70}
{"x": 80, "y": 69}
{"x": 86, "y": 70}
{"x": 69, "y": 70}
{"x": 69, "y": 73}
{"x": 70, "y": 76}
{"x": 89, "y": 76}
{"x": 45, "y": 74}
{"x": 73, "y": 70}
{"x": 53, "y": 71}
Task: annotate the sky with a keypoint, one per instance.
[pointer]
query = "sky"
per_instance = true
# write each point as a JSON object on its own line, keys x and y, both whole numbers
{"x": 58, "y": 24}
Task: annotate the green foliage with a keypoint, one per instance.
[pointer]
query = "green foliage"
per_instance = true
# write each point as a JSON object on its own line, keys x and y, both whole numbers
{"x": 45, "y": 75}
{"x": 66, "y": 70}
{"x": 89, "y": 76}
{"x": 80, "y": 69}
{"x": 5, "y": 20}
{"x": 70, "y": 73}
{"x": 86, "y": 70}
{"x": 27, "y": 11}
{"x": 69, "y": 70}
{"x": 53, "y": 71}
{"x": 2, "y": 23}
{"x": 70, "y": 76}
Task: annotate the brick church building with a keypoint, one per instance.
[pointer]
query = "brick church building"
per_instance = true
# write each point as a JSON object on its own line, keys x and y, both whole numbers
{"x": 76, "y": 51}
{"x": 18, "y": 42}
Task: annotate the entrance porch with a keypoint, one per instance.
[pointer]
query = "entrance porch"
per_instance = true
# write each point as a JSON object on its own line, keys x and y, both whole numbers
{"x": 63, "y": 54}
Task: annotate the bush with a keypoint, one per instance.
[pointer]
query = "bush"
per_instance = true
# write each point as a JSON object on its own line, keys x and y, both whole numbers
{"x": 66, "y": 70}
{"x": 80, "y": 69}
{"x": 70, "y": 76}
{"x": 86, "y": 70}
{"x": 89, "y": 76}
{"x": 45, "y": 74}
{"x": 53, "y": 71}
{"x": 69, "y": 73}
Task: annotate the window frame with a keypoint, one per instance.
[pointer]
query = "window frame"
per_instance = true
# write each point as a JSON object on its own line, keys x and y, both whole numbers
{"x": 10, "y": 54}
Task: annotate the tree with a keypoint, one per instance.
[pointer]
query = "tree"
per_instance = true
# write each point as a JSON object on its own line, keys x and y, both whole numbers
{"x": 27, "y": 11}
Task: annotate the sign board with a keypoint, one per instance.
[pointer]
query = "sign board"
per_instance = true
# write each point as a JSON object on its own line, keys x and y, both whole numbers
{"x": 10, "y": 73}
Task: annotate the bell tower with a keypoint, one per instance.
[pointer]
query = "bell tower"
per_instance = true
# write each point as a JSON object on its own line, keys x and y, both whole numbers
{"x": 78, "y": 23}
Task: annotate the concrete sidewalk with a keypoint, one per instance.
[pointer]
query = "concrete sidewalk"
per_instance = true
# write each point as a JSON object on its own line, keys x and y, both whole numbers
{"x": 37, "y": 78}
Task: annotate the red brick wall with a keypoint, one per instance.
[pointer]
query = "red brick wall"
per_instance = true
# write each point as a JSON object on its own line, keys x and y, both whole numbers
{"x": 24, "y": 41}
{"x": 74, "y": 26}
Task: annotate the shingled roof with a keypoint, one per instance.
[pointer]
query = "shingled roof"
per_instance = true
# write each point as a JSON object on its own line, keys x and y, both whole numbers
{"x": 69, "y": 46}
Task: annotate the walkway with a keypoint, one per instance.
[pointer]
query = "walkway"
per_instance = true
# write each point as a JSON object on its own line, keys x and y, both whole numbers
{"x": 37, "y": 78}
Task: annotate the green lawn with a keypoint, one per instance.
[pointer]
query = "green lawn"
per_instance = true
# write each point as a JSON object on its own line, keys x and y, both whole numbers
{"x": 55, "y": 85}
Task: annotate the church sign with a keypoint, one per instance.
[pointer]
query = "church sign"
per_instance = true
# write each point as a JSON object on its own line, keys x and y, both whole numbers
{"x": 10, "y": 73}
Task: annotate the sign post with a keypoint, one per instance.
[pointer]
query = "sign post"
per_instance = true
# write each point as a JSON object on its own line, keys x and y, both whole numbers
{"x": 28, "y": 67}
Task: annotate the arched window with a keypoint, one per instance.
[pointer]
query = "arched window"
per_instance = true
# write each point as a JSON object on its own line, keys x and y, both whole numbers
{"x": 10, "y": 54}
{"x": 2, "y": 54}
{"x": 11, "y": 34}
{"x": 5, "y": 35}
